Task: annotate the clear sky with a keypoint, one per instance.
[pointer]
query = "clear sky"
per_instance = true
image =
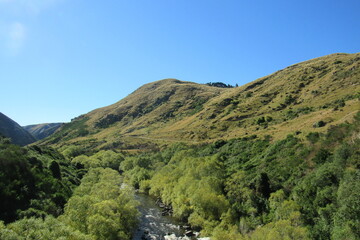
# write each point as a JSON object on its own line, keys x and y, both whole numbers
{"x": 63, "y": 58}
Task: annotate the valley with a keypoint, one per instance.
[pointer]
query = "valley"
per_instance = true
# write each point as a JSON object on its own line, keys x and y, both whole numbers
{"x": 277, "y": 158}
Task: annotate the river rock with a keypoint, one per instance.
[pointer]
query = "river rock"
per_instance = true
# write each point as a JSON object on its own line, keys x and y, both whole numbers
{"x": 187, "y": 228}
{"x": 170, "y": 237}
{"x": 189, "y": 233}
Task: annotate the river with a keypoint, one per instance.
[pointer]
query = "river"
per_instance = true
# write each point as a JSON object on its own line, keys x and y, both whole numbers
{"x": 154, "y": 226}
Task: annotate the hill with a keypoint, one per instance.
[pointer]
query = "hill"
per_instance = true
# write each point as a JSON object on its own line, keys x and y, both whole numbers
{"x": 9, "y": 128}
{"x": 304, "y": 97}
{"x": 127, "y": 123}
{"x": 40, "y": 131}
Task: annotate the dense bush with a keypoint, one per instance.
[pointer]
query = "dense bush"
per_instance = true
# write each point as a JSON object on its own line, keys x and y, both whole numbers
{"x": 293, "y": 188}
{"x": 104, "y": 159}
{"x": 219, "y": 85}
{"x": 101, "y": 206}
{"x": 48, "y": 228}
{"x": 34, "y": 181}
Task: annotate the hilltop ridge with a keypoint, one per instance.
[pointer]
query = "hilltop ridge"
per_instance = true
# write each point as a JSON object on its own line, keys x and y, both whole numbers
{"x": 304, "y": 97}
{"x": 11, "y": 129}
{"x": 43, "y": 130}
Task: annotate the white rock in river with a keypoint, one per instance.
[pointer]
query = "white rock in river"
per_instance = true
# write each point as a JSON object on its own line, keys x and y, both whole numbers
{"x": 170, "y": 237}
{"x": 174, "y": 237}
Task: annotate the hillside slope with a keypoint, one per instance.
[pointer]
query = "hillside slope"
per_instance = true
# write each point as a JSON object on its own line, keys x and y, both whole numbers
{"x": 9, "y": 128}
{"x": 290, "y": 100}
{"x": 40, "y": 131}
{"x": 308, "y": 96}
{"x": 145, "y": 111}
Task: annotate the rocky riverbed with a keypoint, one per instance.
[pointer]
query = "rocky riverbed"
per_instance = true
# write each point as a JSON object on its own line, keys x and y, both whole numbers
{"x": 156, "y": 222}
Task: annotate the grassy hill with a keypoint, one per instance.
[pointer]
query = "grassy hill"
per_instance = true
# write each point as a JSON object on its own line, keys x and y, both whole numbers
{"x": 308, "y": 96}
{"x": 40, "y": 131}
{"x": 9, "y": 128}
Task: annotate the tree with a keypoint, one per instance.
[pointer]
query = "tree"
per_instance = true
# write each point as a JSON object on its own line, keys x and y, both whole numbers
{"x": 101, "y": 207}
{"x": 347, "y": 217}
{"x": 55, "y": 170}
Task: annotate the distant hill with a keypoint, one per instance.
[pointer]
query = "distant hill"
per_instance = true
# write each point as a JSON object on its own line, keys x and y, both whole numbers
{"x": 40, "y": 131}
{"x": 304, "y": 97}
{"x": 9, "y": 128}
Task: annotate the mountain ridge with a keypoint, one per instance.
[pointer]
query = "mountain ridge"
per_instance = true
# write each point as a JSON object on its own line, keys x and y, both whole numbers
{"x": 43, "y": 130}
{"x": 291, "y": 100}
{"x": 11, "y": 129}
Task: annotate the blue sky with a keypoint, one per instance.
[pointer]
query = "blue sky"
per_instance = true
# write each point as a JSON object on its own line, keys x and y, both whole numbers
{"x": 63, "y": 58}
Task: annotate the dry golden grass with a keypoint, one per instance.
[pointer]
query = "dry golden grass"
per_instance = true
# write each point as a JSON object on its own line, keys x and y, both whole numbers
{"x": 171, "y": 110}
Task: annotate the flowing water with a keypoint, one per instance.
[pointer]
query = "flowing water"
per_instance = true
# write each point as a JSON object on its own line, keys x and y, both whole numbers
{"x": 153, "y": 225}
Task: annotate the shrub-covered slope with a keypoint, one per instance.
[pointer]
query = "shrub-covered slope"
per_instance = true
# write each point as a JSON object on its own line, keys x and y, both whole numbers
{"x": 38, "y": 201}
{"x": 34, "y": 181}
{"x": 251, "y": 188}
